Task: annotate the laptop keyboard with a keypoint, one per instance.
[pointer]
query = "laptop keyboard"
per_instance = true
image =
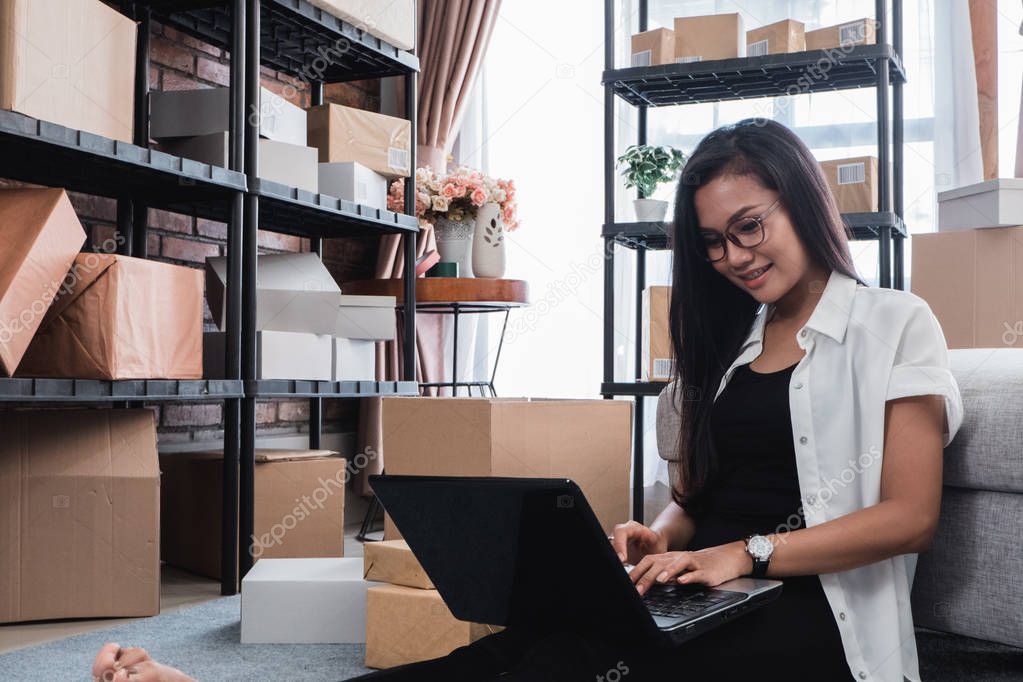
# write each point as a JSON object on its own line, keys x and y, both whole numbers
{"x": 687, "y": 601}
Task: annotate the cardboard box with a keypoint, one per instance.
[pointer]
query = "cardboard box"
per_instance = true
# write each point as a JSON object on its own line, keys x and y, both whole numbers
{"x": 853, "y": 181}
{"x": 288, "y": 164}
{"x": 405, "y": 625}
{"x": 651, "y": 48}
{"x": 354, "y": 359}
{"x": 279, "y": 355}
{"x": 80, "y": 491}
{"x": 848, "y": 34}
{"x": 379, "y": 142}
{"x": 394, "y": 21}
{"x": 70, "y": 62}
{"x": 588, "y": 441}
{"x": 973, "y": 281}
{"x": 711, "y": 36}
{"x": 121, "y": 318}
{"x": 300, "y": 501}
{"x": 658, "y": 358}
{"x": 39, "y": 238}
{"x": 354, "y": 182}
{"x": 992, "y": 203}
{"x": 392, "y": 561}
{"x": 191, "y": 113}
{"x": 295, "y": 293}
{"x": 366, "y": 317}
{"x": 304, "y": 601}
{"x": 780, "y": 37}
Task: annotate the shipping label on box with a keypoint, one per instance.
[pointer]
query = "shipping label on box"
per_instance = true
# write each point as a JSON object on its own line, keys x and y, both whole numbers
{"x": 712, "y": 36}
{"x": 379, "y": 142}
{"x": 777, "y": 38}
{"x": 848, "y": 34}
{"x": 658, "y": 364}
{"x": 652, "y": 48}
{"x": 853, "y": 181}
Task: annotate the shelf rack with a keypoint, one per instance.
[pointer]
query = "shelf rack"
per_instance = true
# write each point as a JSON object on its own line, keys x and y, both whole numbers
{"x": 286, "y": 35}
{"x": 878, "y": 66}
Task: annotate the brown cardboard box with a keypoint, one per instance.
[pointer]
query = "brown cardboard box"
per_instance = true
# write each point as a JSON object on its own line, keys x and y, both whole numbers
{"x": 780, "y": 37}
{"x": 392, "y": 561}
{"x": 973, "y": 281}
{"x": 588, "y": 441}
{"x": 847, "y": 34}
{"x": 378, "y": 142}
{"x": 79, "y": 530}
{"x": 711, "y": 36}
{"x": 651, "y": 48}
{"x": 300, "y": 503}
{"x": 853, "y": 181}
{"x": 39, "y": 238}
{"x": 405, "y": 625}
{"x": 71, "y": 62}
{"x": 121, "y": 318}
{"x": 658, "y": 361}
{"x": 393, "y": 21}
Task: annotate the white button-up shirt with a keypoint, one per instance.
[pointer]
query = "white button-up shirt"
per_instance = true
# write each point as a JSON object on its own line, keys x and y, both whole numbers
{"x": 863, "y": 346}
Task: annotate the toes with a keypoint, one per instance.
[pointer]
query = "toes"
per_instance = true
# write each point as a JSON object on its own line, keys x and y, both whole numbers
{"x": 132, "y": 656}
{"x": 104, "y": 660}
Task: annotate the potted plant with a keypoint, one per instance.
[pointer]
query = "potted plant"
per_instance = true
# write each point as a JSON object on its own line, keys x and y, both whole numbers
{"x": 646, "y": 167}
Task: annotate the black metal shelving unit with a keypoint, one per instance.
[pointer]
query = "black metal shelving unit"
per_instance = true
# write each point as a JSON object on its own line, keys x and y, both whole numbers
{"x": 287, "y": 35}
{"x": 878, "y": 66}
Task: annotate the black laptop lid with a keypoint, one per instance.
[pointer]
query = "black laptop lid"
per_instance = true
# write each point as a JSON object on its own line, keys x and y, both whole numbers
{"x": 514, "y": 551}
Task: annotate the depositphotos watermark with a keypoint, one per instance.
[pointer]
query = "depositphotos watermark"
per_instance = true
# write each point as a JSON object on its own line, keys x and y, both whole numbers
{"x": 306, "y": 505}
{"x": 614, "y": 674}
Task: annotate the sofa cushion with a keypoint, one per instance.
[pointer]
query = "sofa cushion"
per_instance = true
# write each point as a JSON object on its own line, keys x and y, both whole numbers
{"x": 951, "y": 658}
{"x": 969, "y": 583}
{"x": 987, "y": 453}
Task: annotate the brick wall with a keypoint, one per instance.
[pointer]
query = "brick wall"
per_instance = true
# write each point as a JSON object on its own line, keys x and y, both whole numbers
{"x": 180, "y": 62}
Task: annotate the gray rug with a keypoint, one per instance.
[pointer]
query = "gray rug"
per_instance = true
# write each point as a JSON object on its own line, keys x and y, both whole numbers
{"x": 203, "y": 641}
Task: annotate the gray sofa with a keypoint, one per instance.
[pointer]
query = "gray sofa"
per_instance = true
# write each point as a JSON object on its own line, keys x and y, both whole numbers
{"x": 967, "y": 595}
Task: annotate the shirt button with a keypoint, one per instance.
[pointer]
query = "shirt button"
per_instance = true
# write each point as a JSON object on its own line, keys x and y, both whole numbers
{"x": 802, "y": 332}
{"x": 813, "y": 500}
{"x": 803, "y": 440}
{"x": 863, "y": 674}
{"x": 797, "y": 385}
{"x": 842, "y": 615}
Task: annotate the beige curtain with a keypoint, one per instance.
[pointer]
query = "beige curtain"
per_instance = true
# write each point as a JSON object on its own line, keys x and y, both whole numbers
{"x": 451, "y": 40}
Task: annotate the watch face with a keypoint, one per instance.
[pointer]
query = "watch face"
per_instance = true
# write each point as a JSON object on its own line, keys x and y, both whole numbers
{"x": 760, "y": 547}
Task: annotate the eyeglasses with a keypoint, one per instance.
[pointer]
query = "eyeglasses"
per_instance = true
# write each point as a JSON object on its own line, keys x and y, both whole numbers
{"x": 745, "y": 232}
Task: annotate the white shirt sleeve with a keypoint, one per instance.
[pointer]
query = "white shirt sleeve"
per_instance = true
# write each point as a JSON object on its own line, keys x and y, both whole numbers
{"x": 921, "y": 366}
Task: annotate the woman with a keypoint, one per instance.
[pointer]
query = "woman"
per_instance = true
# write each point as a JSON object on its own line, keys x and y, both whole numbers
{"x": 817, "y": 421}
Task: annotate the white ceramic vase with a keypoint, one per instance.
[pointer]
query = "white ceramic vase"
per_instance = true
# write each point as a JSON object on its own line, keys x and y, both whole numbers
{"x": 454, "y": 243}
{"x": 650, "y": 210}
{"x": 488, "y": 245}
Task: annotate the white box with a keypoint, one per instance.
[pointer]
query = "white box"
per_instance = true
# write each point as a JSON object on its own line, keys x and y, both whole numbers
{"x": 188, "y": 113}
{"x": 393, "y": 21}
{"x": 992, "y": 203}
{"x": 366, "y": 317}
{"x": 353, "y": 181}
{"x": 305, "y": 601}
{"x": 279, "y": 355}
{"x": 354, "y": 359}
{"x": 294, "y": 293}
{"x": 282, "y": 162}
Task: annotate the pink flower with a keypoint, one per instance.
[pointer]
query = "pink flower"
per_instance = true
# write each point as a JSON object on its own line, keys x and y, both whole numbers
{"x": 449, "y": 191}
{"x": 508, "y": 214}
{"x": 479, "y": 197}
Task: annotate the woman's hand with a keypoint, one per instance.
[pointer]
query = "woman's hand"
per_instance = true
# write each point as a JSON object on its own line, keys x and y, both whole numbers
{"x": 711, "y": 566}
{"x": 633, "y": 541}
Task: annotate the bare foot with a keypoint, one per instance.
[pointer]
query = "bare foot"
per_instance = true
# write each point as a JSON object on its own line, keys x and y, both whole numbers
{"x": 114, "y": 664}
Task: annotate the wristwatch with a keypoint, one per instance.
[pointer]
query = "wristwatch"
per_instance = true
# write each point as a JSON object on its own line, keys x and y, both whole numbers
{"x": 760, "y": 548}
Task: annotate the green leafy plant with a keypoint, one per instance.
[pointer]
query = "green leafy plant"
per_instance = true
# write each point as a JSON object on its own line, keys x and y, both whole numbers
{"x": 647, "y": 166}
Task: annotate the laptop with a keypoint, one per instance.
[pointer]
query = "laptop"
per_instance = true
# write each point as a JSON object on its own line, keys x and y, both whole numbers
{"x": 529, "y": 552}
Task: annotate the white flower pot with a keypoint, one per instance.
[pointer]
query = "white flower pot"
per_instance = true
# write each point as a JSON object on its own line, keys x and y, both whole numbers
{"x": 650, "y": 210}
{"x": 454, "y": 243}
{"x": 488, "y": 245}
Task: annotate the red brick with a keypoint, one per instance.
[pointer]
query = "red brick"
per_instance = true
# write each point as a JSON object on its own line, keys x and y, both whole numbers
{"x": 286, "y": 92}
{"x": 99, "y": 234}
{"x": 188, "y": 250}
{"x": 191, "y": 415}
{"x": 170, "y": 54}
{"x": 293, "y": 411}
{"x": 266, "y": 412}
{"x": 175, "y": 81}
{"x": 91, "y": 206}
{"x": 211, "y": 228}
{"x": 171, "y": 222}
{"x": 154, "y": 78}
{"x": 153, "y": 243}
{"x": 212, "y": 71}
{"x": 179, "y": 37}
{"x": 279, "y": 242}
{"x": 342, "y": 93}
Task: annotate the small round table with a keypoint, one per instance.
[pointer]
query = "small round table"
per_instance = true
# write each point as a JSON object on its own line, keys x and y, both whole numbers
{"x": 454, "y": 296}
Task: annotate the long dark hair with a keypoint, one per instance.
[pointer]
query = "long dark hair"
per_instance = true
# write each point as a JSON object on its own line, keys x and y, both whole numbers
{"x": 709, "y": 316}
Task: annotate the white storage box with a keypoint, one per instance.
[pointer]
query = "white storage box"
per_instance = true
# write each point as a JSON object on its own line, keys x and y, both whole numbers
{"x": 355, "y": 359}
{"x": 992, "y": 203}
{"x": 283, "y": 162}
{"x": 305, "y": 601}
{"x": 352, "y": 181}
{"x": 279, "y": 355}
{"x": 187, "y": 113}
{"x": 366, "y": 317}
{"x": 393, "y": 21}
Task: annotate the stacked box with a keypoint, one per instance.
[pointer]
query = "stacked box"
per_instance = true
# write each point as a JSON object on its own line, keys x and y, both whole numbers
{"x": 711, "y": 36}
{"x": 848, "y": 34}
{"x": 780, "y": 37}
{"x": 658, "y": 363}
{"x": 853, "y": 181}
{"x": 652, "y": 48}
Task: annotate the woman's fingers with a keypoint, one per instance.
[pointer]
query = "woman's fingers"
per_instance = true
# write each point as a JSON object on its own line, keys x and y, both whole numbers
{"x": 661, "y": 568}
{"x": 104, "y": 660}
{"x": 131, "y": 656}
{"x": 627, "y": 538}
